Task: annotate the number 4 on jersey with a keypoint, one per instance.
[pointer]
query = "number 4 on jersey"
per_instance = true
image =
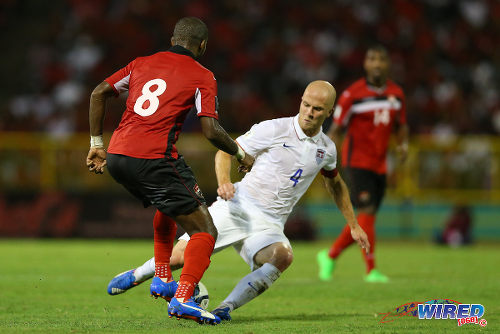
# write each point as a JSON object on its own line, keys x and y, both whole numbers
{"x": 295, "y": 178}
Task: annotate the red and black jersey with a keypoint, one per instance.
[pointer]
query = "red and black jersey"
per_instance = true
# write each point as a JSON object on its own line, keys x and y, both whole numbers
{"x": 369, "y": 114}
{"x": 162, "y": 88}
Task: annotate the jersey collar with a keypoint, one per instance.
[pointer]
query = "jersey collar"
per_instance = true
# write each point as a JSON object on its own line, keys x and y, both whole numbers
{"x": 378, "y": 90}
{"x": 181, "y": 50}
{"x": 300, "y": 133}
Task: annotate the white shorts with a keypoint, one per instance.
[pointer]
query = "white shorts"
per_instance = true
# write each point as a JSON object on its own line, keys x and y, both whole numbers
{"x": 243, "y": 226}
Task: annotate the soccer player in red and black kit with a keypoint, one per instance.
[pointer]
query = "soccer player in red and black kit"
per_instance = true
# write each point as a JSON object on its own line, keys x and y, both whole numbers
{"x": 370, "y": 108}
{"x": 142, "y": 155}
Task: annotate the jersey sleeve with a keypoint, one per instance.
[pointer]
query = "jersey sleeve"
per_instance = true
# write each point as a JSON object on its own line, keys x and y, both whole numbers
{"x": 331, "y": 157}
{"x": 330, "y": 168}
{"x": 206, "y": 101}
{"x": 258, "y": 138}
{"x": 120, "y": 79}
{"x": 343, "y": 109}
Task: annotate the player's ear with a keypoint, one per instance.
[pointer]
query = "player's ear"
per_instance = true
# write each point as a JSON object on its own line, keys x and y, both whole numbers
{"x": 203, "y": 46}
{"x": 172, "y": 41}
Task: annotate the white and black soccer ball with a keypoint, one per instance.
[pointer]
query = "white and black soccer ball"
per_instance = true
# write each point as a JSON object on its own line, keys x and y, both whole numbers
{"x": 200, "y": 295}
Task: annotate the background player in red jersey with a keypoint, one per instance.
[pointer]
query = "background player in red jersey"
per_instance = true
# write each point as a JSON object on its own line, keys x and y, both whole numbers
{"x": 142, "y": 155}
{"x": 369, "y": 109}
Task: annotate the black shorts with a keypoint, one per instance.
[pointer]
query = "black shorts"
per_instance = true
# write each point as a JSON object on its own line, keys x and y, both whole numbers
{"x": 167, "y": 184}
{"x": 366, "y": 188}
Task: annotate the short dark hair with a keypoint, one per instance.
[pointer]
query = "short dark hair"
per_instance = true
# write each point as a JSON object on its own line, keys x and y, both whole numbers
{"x": 190, "y": 30}
{"x": 378, "y": 48}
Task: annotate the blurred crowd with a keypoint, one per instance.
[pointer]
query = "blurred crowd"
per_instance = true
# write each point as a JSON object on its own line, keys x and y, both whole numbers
{"x": 445, "y": 54}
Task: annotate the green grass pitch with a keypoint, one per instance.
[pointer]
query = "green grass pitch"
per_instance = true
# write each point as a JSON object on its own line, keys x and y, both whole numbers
{"x": 59, "y": 286}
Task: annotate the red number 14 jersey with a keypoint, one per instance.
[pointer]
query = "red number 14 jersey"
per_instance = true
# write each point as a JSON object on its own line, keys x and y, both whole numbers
{"x": 369, "y": 114}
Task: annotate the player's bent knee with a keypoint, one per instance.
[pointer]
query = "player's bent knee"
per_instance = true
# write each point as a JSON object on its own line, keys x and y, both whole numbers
{"x": 283, "y": 258}
{"x": 287, "y": 259}
{"x": 279, "y": 254}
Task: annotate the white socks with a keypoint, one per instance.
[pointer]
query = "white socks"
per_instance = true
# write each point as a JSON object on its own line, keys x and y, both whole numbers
{"x": 252, "y": 285}
{"x": 146, "y": 271}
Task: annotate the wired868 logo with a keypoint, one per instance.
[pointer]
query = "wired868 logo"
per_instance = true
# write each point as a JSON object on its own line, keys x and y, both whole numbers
{"x": 463, "y": 313}
{"x": 440, "y": 309}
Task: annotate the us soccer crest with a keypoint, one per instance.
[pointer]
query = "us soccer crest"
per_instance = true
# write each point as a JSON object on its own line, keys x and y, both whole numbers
{"x": 320, "y": 154}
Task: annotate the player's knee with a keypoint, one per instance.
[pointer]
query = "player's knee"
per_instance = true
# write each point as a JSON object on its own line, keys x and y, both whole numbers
{"x": 288, "y": 258}
{"x": 283, "y": 258}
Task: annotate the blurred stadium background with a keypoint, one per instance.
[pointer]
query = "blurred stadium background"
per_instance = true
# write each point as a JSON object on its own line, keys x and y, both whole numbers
{"x": 445, "y": 54}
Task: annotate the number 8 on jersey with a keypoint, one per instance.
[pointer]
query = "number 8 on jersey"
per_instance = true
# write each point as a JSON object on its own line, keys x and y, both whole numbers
{"x": 151, "y": 96}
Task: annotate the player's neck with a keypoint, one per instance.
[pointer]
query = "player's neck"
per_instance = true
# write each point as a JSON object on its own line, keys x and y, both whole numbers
{"x": 311, "y": 132}
{"x": 192, "y": 52}
{"x": 376, "y": 83}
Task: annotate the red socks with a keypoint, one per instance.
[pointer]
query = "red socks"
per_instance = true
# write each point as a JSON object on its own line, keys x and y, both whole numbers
{"x": 196, "y": 261}
{"x": 196, "y": 256}
{"x": 164, "y": 235}
{"x": 184, "y": 290}
{"x": 344, "y": 240}
{"x": 367, "y": 223}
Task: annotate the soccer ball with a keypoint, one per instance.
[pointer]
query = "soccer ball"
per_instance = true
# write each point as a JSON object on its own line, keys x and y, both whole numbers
{"x": 200, "y": 295}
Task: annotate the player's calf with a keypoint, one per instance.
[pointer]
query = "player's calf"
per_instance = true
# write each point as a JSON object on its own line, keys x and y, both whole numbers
{"x": 177, "y": 258}
{"x": 252, "y": 285}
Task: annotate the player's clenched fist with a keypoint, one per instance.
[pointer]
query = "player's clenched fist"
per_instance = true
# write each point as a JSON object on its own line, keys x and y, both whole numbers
{"x": 226, "y": 191}
{"x": 96, "y": 160}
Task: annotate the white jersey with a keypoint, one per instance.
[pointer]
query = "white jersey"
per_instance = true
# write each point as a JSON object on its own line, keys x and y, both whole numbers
{"x": 286, "y": 163}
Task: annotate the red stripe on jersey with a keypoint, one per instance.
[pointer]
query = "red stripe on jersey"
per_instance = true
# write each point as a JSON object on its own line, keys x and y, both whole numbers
{"x": 369, "y": 115}
{"x": 163, "y": 88}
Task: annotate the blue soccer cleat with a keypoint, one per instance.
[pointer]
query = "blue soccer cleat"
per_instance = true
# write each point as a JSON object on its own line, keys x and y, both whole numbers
{"x": 222, "y": 312}
{"x": 122, "y": 282}
{"x": 190, "y": 310}
{"x": 161, "y": 289}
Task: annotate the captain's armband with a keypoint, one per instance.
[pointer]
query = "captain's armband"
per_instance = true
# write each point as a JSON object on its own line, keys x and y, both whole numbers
{"x": 329, "y": 173}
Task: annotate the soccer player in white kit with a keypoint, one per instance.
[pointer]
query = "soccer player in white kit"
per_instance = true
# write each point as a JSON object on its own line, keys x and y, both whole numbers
{"x": 250, "y": 215}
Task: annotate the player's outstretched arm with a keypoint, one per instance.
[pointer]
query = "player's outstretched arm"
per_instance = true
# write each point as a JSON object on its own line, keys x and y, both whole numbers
{"x": 220, "y": 139}
{"x": 338, "y": 189}
{"x": 96, "y": 158}
{"x": 226, "y": 188}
